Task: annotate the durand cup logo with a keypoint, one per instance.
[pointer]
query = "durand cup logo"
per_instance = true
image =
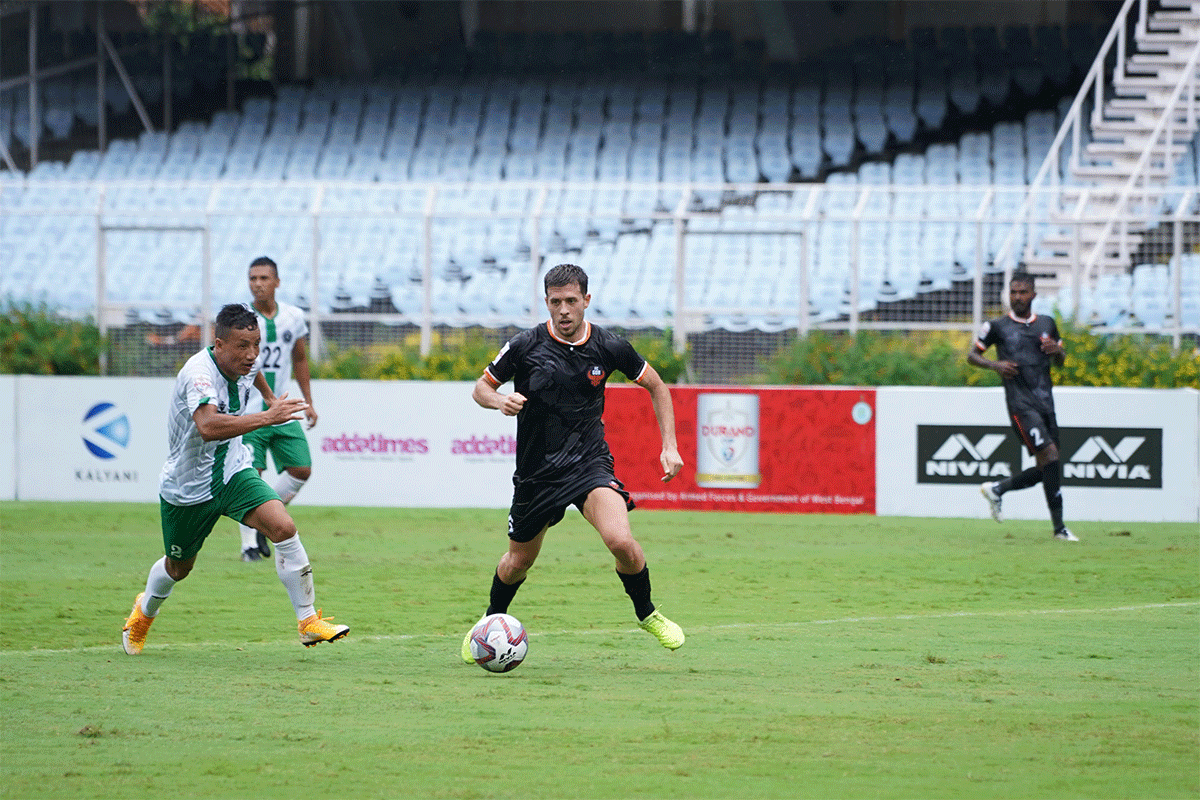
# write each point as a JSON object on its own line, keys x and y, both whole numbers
{"x": 106, "y": 431}
{"x": 1110, "y": 457}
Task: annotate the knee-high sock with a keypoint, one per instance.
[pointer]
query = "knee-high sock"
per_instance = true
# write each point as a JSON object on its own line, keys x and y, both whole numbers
{"x": 249, "y": 537}
{"x": 287, "y": 486}
{"x": 638, "y": 588}
{"x": 1022, "y": 480}
{"x": 1052, "y": 485}
{"x": 158, "y": 587}
{"x": 502, "y": 595}
{"x": 294, "y": 571}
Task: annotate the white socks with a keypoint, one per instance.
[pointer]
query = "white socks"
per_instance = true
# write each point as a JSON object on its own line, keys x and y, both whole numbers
{"x": 158, "y": 588}
{"x": 287, "y": 486}
{"x": 249, "y": 537}
{"x": 292, "y": 567}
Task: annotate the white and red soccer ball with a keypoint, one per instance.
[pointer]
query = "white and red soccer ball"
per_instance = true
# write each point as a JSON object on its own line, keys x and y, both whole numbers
{"x": 499, "y": 643}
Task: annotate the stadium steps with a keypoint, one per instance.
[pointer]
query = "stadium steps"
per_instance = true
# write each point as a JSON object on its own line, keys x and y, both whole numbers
{"x": 1136, "y": 102}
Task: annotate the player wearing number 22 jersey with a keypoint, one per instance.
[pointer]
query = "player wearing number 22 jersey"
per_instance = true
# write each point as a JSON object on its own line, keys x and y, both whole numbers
{"x": 283, "y": 351}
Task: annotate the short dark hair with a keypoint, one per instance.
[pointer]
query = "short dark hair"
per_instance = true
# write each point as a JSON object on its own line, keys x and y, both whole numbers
{"x": 235, "y": 315}
{"x": 1023, "y": 277}
{"x": 263, "y": 261}
{"x": 565, "y": 275}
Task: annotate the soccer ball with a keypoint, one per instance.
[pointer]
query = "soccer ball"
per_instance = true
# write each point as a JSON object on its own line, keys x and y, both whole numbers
{"x": 499, "y": 643}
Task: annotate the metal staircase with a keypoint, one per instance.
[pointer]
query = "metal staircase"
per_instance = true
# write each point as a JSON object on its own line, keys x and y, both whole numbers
{"x": 1101, "y": 186}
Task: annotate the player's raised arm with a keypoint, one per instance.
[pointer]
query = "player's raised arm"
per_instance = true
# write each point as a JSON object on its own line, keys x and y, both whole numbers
{"x": 664, "y": 412}
{"x": 215, "y": 426}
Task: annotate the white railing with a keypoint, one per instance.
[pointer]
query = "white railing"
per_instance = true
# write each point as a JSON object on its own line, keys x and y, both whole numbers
{"x": 837, "y": 253}
{"x": 1163, "y": 132}
{"x": 1095, "y": 83}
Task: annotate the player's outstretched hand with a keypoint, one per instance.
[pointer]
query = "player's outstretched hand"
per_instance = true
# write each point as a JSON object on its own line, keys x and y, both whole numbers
{"x": 512, "y": 404}
{"x": 284, "y": 409}
{"x": 671, "y": 463}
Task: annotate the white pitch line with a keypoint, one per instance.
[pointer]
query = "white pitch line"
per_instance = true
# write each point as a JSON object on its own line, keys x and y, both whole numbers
{"x": 116, "y": 646}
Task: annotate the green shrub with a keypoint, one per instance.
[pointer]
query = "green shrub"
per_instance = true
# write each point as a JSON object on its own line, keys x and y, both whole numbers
{"x": 938, "y": 358}
{"x": 659, "y": 350}
{"x": 876, "y": 358}
{"x": 462, "y": 357}
{"x": 453, "y": 358}
{"x": 36, "y": 341}
{"x": 1138, "y": 360}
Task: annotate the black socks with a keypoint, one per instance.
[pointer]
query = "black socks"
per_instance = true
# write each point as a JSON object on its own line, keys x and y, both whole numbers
{"x": 638, "y": 588}
{"x": 1030, "y": 477}
{"x": 502, "y": 595}
{"x": 1052, "y": 486}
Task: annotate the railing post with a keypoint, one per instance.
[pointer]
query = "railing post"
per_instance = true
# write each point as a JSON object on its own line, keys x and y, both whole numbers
{"x": 101, "y": 278}
{"x": 206, "y": 311}
{"x": 805, "y": 251}
{"x": 427, "y": 274}
{"x": 535, "y": 252}
{"x": 1177, "y": 272}
{"x": 316, "y": 342}
{"x": 679, "y": 334}
{"x": 856, "y": 226}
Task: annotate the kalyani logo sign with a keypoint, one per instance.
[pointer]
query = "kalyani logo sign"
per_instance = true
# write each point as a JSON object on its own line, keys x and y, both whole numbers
{"x": 1109, "y": 457}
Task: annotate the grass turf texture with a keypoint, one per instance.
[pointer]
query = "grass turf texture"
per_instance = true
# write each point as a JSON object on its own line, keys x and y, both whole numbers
{"x": 826, "y": 657}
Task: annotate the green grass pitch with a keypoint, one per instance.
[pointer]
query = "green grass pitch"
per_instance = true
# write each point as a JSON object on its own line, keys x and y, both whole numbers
{"x": 827, "y": 657}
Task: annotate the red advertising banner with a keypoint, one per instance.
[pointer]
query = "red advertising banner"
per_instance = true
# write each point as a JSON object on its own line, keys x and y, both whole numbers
{"x": 750, "y": 448}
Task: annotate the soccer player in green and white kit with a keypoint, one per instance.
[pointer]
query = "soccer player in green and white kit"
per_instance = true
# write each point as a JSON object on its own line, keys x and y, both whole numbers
{"x": 208, "y": 474}
{"x": 283, "y": 349}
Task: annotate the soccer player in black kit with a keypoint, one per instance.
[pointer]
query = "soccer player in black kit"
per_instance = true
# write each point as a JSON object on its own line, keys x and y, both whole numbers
{"x": 1026, "y": 345}
{"x": 558, "y": 370}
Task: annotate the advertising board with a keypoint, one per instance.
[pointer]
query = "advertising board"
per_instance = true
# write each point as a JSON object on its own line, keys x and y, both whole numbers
{"x": 750, "y": 449}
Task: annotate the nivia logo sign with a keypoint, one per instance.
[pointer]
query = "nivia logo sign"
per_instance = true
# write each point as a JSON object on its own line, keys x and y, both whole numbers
{"x": 965, "y": 453}
{"x": 1101, "y": 457}
{"x": 1128, "y": 457}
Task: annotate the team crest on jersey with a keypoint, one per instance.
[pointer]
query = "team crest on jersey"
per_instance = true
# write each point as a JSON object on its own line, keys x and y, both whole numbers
{"x": 595, "y": 375}
{"x": 287, "y": 336}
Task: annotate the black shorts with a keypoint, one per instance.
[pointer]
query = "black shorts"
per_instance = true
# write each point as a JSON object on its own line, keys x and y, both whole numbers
{"x": 1037, "y": 429}
{"x": 540, "y": 505}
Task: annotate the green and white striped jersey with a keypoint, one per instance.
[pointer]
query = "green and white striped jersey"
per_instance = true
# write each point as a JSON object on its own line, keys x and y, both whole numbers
{"x": 195, "y": 468}
{"x": 276, "y": 337}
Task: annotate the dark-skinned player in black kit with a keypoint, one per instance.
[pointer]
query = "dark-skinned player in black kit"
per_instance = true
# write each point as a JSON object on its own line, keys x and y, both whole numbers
{"x": 1026, "y": 345}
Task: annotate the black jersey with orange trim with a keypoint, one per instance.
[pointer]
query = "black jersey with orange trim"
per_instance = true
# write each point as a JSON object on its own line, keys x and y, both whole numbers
{"x": 560, "y": 427}
{"x": 1020, "y": 341}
